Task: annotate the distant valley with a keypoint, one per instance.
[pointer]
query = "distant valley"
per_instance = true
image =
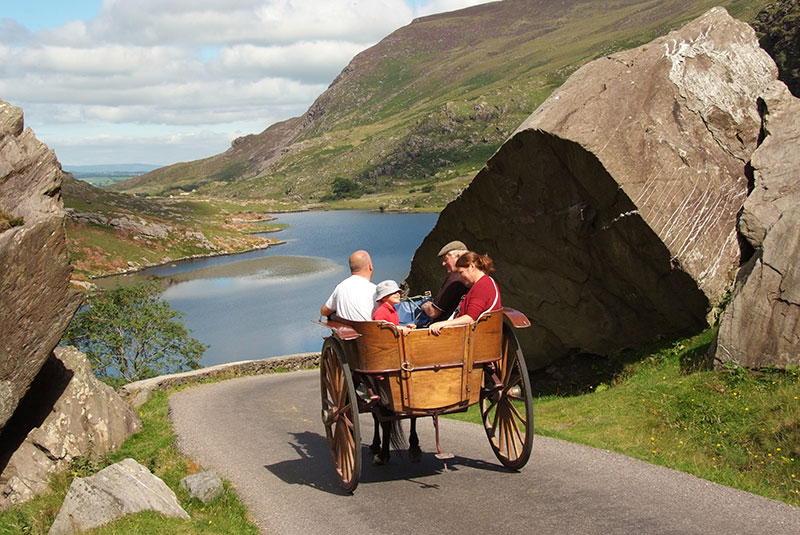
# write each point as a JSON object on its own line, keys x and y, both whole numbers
{"x": 103, "y": 175}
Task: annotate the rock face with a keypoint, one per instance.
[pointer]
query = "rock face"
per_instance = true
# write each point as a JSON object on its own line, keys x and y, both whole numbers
{"x": 205, "y": 486}
{"x": 761, "y": 325}
{"x": 36, "y": 302}
{"x": 123, "y": 488}
{"x": 611, "y": 212}
{"x": 66, "y": 414}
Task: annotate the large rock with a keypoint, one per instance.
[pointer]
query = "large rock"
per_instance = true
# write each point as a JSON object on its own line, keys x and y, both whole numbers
{"x": 66, "y": 414}
{"x": 123, "y": 488}
{"x": 611, "y": 212}
{"x": 36, "y": 301}
{"x": 761, "y": 325}
{"x": 205, "y": 486}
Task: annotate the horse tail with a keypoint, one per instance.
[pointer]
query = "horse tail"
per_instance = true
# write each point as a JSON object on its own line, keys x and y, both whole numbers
{"x": 398, "y": 436}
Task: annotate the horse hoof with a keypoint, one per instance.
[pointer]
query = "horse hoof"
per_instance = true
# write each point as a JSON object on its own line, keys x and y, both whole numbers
{"x": 414, "y": 454}
{"x": 378, "y": 460}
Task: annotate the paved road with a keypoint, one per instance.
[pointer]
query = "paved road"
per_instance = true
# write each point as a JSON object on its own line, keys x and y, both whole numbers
{"x": 265, "y": 436}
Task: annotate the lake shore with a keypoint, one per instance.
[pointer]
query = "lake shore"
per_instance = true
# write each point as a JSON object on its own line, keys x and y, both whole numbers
{"x": 143, "y": 267}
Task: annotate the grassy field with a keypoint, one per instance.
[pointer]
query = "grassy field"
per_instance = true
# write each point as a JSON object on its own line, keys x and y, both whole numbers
{"x": 154, "y": 448}
{"x": 156, "y": 231}
{"x": 735, "y": 427}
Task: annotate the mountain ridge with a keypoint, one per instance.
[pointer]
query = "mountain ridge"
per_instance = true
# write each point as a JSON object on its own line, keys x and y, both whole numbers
{"x": 427, "y": 105}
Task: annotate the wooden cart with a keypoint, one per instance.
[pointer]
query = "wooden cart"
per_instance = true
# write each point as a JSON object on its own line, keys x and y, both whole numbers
{"x": 368, "y": 365}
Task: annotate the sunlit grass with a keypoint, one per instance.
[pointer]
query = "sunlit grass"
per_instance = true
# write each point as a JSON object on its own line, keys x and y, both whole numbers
{"x": 154, "y": 448}
{"x": 736, "y": 427}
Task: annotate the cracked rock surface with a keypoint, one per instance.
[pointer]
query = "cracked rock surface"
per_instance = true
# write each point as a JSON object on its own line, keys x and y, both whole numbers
{"x": 36, "y": 301}
{"x": 761, "y": 325}
{"x": 67, "y": 414}
{"x": 611, "y": 213}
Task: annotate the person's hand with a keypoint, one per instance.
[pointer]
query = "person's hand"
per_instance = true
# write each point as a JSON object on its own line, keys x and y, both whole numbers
{"x": 436, "y": 328}
{"x": 405, "y": 329}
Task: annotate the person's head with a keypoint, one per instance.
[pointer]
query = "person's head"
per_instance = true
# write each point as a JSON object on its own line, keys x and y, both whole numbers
{"x": 387, "y": 291}
{"x": 361, "y": 264}
{"x": 450, "y": 253}
{"x": 472, "y": 266}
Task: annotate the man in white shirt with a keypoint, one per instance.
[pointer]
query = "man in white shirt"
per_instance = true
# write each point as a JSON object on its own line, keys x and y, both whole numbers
{"x": 354, "y": 298}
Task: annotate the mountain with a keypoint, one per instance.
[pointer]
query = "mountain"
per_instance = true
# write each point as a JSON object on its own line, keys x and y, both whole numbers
{"x": 418, "y": 114}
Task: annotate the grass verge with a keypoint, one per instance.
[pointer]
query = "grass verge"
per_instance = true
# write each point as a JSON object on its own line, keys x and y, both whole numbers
{"x": 735, "y": 427}
{"x": 154, "y": 448}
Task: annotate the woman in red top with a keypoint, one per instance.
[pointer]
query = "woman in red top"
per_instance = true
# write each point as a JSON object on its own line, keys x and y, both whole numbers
{"x": 483, "y": 294}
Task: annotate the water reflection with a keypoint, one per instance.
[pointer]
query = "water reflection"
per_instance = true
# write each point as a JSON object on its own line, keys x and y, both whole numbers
{"x": 262, "y": 303}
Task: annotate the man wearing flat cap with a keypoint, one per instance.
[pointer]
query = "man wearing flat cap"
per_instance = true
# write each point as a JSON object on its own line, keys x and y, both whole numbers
{"x": 453, "y": 288}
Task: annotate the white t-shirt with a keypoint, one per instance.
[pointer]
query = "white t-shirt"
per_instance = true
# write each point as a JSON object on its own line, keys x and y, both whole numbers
{"x": 353, "y": 299}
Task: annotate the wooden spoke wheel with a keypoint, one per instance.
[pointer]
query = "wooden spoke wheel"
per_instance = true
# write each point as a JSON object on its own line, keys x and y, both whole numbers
{"x": 507, "y": 405}
{"x": 340, "y": 414}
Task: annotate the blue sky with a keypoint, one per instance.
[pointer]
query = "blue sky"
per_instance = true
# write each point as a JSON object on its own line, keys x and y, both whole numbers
{"x": 162, "y": 81}
{"x": 39, "y": 14}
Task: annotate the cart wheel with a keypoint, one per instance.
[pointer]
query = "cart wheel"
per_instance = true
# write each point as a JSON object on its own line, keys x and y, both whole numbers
{"x": 340, "y": 414}
{"x": 507, "y": 408}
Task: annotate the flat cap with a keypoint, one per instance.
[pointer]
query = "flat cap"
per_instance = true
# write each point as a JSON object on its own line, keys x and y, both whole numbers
{"x": 452, "y": 246}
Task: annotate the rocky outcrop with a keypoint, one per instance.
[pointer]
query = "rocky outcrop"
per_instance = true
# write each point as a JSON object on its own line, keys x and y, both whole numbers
{"x": 67, "y": 414}
{"x": 761, "y": 325}
{"x": 36, "y": 301}
{"x": 204, "y": 486}
{"x": 611, "y": 212}
{"x": 123, "y": 488}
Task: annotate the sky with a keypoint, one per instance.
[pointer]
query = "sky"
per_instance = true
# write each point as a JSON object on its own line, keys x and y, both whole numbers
{"x": 164, "y": 81}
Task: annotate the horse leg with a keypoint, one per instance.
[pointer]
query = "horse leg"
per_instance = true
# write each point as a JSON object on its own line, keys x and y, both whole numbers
{"x": 375, "y": 447}
{"x": 382, "y": 457}
{"x": 414, "y": 452}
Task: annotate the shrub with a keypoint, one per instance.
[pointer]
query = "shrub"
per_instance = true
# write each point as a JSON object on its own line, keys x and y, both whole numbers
{"x": 132, "y": 333}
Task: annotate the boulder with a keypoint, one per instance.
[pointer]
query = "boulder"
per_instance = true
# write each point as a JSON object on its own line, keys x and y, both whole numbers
{"x": 117, "y": 490}
{"x": 36, "y": 301}
{"x": 611, "y": 212}
{"x": 205, "y": 486}
{"x": 67, "y": 414}
{"x": 761, "y": 325}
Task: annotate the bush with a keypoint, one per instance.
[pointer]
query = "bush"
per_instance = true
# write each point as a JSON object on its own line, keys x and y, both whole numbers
{"x": 344, "y": 188}
{"x": 132, "y": 333}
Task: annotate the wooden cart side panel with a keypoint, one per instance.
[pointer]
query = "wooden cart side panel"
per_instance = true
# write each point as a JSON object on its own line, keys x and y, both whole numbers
{"x": 484, "y": 345}
{"x": 434, "y": 373}
{"x": 487, "y": 337}
{"x": 421, "y": 371}
{"x": 379, "y": 347}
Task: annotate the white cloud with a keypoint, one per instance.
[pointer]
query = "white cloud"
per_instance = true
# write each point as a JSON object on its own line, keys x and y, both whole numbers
{"x": 192, "y": 64}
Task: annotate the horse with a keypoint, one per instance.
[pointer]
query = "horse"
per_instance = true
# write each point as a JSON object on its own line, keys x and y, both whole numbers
{"x": 393, "y": 436}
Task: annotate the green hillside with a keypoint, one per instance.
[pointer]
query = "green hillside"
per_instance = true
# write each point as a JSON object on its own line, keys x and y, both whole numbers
{"x": 409, "y": 121}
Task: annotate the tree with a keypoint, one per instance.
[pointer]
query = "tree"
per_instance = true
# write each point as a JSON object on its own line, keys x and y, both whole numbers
{"x": 344, "y": 188}
{"x": 132, "y": 333}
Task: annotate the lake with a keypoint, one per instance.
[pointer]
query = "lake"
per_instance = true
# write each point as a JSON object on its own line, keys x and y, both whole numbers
{"x": 262, "y": 303}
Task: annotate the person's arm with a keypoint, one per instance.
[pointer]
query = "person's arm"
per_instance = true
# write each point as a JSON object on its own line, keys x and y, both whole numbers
{"x": 437, "y": 327}
{"x": 432, "y": 312}
{"x": 325, "y": 311}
